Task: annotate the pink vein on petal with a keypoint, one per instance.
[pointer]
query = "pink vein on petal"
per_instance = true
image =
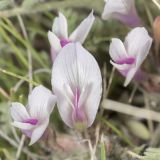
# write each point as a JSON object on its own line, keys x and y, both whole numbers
{"x": 63, "y": 42}
{"x": 129, "y": 60}
{"x": 32, "y": 121}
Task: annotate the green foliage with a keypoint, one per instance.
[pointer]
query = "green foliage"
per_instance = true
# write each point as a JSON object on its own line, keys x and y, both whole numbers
{"x": 4, "y": 4}
{"x": 5, "y": 155}
{"x": 103, "y": 149}
{"x": 152, "y": 154}
{"x": 138, "y": 129}
{"x": 29, "y": 3}
{"x": 116, "y": 131}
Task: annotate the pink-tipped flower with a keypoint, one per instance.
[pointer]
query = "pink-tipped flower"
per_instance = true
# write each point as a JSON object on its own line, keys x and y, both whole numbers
{"x": 122, "y": 10}
{"x": 33, "y": 119}
{"x": 58, "y": 37}
{"x": 76, "y": 81}
{"x": 128, "y": 56}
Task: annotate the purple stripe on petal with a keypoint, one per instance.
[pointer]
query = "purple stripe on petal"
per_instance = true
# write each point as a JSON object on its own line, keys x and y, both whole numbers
{"x": 32, "y": 121}
{"x": 79, "y": 118}
{"x": 78, "y": 115}
{"x": 76, "y": 97}
{"x": 63, "y": 42}
{"x": 129, "y": 60}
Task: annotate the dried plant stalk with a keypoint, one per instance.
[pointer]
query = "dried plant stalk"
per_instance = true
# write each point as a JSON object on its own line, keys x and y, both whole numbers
{"x": 131, "y": 110}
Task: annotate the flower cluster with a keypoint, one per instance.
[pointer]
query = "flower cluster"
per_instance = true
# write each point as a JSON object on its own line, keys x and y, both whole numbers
{"x": 76, "y": 77}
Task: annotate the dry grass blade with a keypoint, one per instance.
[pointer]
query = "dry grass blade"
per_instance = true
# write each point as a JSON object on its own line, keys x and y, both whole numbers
{"x": 131, "y": 110}
{"x": 4, "y": 93}
{"x": 157, "y": 3}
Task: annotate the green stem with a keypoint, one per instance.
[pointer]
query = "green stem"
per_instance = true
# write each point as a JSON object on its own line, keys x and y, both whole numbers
{"x": 18, "y": 76}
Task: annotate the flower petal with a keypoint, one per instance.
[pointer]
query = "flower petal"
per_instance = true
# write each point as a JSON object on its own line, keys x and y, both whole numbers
{"x": 38, "y": 131}
{"x": 121, "y": 67}
{"x": 78, "y": 68}
{"x": 136, "y": 41}
{"x": 23, "y": 126}
{"x": 130, "y": 75}
{"x": 143, "y": 53}
{"x": 122, "y": 10}
{"x": 117, "y": 50}
{"x": 19, "y": 112}
{"x": 81, "y": 32}
{"x": 84, "y": 94}
{"x": 41, "y": 102}
{"x": 60, "y": 27}
{"x": 115, "y": 7}
{"x": 55, "y": 44}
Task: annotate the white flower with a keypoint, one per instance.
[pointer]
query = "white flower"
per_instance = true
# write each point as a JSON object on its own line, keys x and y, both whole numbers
{"x": 33, "y": 119}
{"x": 128, "y": 56}
{"x": 76, "y": 81}
{"x": 122, "y": 10}
{"x": 58, "y": 37}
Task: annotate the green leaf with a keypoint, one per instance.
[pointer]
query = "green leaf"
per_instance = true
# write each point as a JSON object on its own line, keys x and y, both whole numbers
{"x": 138, "y": 129}
{"x": 103, "y": 150}
{"x": 18, "y": 76}
{"x": 152, "y": 154}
